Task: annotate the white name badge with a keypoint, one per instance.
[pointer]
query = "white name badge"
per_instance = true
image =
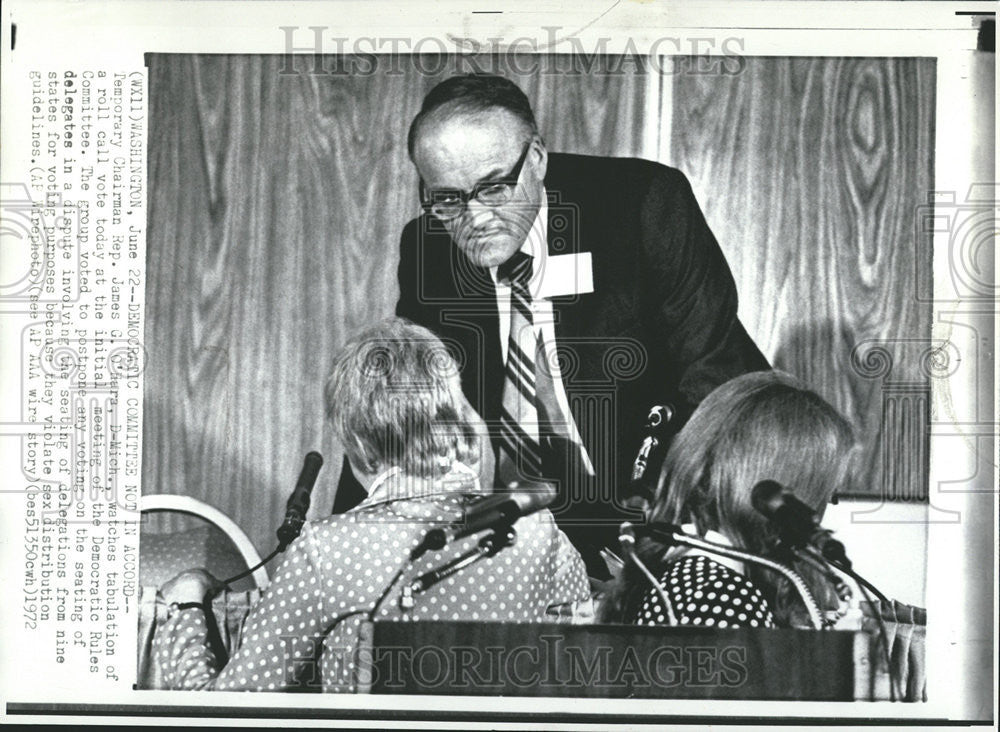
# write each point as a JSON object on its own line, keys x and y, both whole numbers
{"x": 567, "y": 274}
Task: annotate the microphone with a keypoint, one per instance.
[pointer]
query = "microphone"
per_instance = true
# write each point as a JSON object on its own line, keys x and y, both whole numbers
{"x": 298, "y": 502}
{"x": 656, "y": 421}
{"x": 796, "y": 523}
{"x": 489, "y": 546}
{"x": 626, "y": 537}
{"x": 499, "y": 509}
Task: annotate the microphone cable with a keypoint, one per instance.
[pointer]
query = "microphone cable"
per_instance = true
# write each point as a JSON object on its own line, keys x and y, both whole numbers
{"x": 252, "y": 569}
{"x": 626, "y": 539}
{"x": 295, "y": 512}
{"x": 867, "y": 589}
{"x": 862, "y": 582}
{"x": 812, "y": 555}
{"x": 679, "y": 537}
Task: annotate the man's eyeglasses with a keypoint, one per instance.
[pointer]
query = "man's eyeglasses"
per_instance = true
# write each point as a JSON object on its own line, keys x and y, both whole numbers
{"x": 448, "y": 203}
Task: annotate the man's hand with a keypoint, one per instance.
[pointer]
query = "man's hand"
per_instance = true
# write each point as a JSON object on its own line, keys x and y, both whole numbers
{"x": 192, "y": 585}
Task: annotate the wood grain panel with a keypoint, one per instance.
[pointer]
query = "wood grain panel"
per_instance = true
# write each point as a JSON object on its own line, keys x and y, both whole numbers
{"x": 810, "y": 172}
{"x": 585, "y": 108}
{"x": 276, "y": 204}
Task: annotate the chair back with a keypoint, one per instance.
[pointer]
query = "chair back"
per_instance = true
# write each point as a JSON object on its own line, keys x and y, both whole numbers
{"x": 177, "y": 533}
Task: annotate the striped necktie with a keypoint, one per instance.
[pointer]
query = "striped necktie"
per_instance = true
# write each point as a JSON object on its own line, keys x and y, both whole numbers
{"x": 519, "y": 457}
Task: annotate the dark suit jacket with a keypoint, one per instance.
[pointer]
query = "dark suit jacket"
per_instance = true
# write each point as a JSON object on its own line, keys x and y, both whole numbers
{"x": 660, "y": 326}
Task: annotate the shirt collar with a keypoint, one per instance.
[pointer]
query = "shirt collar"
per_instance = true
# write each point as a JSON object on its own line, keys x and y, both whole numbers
{"x": 394, "y": 485}
{"x": 535, "y": 245}
{"x": 712, "y": 536}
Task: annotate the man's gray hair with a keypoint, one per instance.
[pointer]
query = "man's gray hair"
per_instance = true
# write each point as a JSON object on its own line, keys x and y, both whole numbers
{"x": 395, "y": 399}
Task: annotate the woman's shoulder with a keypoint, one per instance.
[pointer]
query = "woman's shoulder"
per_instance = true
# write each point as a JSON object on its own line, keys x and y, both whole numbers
{"x": 407, "y": 519}
{"x": 401, "y": 515}
{"x": 705, "y": 592}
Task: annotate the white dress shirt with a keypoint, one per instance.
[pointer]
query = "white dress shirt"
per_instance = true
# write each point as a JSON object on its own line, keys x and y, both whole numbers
{"x": 542, "y": 286}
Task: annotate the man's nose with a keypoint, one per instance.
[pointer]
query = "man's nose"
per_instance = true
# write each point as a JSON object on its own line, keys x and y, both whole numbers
{"x": 478, "y": 213}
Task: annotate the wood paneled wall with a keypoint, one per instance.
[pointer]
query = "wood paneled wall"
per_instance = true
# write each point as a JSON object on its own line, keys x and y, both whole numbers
{"x": 276, "y": 203}
{"x": 811, "y": 172}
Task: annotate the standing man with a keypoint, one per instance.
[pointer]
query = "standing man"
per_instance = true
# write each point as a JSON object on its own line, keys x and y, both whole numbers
{"x": 576, "y": 293}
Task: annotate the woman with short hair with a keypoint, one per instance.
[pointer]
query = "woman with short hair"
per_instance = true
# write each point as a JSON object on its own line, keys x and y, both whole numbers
{"x": 420, "y": 450}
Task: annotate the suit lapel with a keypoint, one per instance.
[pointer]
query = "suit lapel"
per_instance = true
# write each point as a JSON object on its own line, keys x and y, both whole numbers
{"x": 568, "y": 233}
{"x": 575, "y": 315}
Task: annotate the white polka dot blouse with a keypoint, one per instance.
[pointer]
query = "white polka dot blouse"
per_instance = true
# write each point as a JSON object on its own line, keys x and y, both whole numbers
{"x": 704, "y": 592}
{"x": 304, "y": 631}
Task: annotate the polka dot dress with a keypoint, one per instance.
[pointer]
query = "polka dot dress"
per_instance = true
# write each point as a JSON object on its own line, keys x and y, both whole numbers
{"x": 704, "y": 592}
{"x": 304, "y": 631}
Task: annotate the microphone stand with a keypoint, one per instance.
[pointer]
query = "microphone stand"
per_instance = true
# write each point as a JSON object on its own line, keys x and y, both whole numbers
{"x": 627, "y": 541}
{"x": 499, "y": 537}
{"x": 495, "y": 515}
{"x": 676, "y": 537}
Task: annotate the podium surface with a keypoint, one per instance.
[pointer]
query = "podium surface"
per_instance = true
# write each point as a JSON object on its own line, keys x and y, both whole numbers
{"x": 614, "y": 661}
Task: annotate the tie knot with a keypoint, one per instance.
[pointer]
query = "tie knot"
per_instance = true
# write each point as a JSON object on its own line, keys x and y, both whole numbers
{"x": 516, "y": 270}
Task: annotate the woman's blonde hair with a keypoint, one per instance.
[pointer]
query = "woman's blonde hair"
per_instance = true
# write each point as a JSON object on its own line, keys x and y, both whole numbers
{"x": 395, "y": 399}
{"x": 760, "y": 426}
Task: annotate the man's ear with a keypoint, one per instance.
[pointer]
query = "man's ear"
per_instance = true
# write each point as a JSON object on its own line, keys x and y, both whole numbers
{"x": 539, "y": 158}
